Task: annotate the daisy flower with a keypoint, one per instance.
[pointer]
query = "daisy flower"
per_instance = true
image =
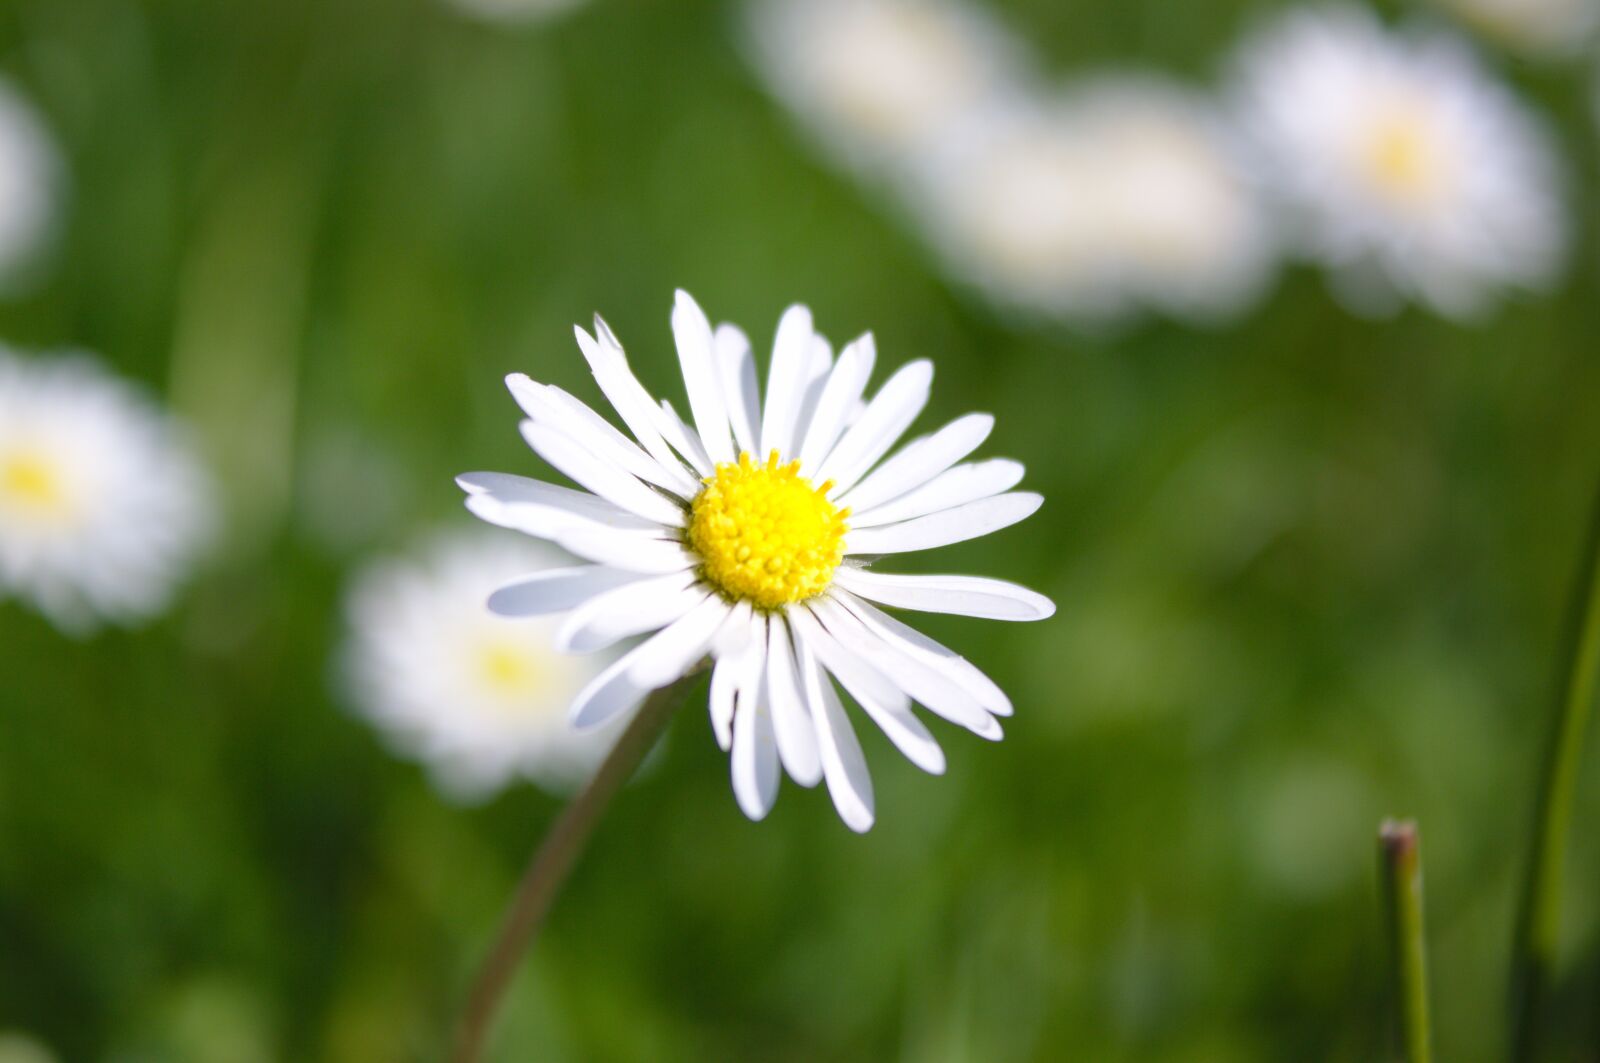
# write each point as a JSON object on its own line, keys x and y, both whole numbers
{"x": 1404, "y": 167}
{"x": 1015, "y": 204}
{"x": 747, "y": 534}
{"x": 1125, "y": 193}
{"x": 876, "y": 80}
{"x": 1183, "y": 225}
{"x": 29, "y": 169}
{"x": 480, "y": 698}
{"x": 1540, "y": 27}
{"x": 103, "y": 506}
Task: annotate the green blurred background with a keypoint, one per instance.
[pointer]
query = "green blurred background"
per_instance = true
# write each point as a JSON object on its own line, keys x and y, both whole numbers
{"x": 1311, "y": 571}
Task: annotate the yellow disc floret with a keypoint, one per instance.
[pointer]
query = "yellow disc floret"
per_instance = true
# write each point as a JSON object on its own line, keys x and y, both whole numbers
{"x": 31, "y": 482}
{"x": 1403, "y": 159}
{"x": 764, "y": 534}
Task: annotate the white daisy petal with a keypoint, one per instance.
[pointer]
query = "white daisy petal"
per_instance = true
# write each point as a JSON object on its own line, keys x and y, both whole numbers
{"x": 740, "y": 667}
{"x": 956, "y": 525}
{"x": 684, "y": 440}
{"x": 623, "y": 390}
{"x": 697, "y": 356}
{"x": 884, "y": 702}
{"x": 786, "y": 380}
{"x": 627, "y": 550}
{"x": 550, "y": 405}
{"x": 956, "y": 668}
{"x": 841, "y": 393}
{"x": 918, "y": 462}
{"x": 859, "y": 677}
{"x": 509, "y": 489}
{"x": 556, "y": 590}
{"x": 599, "y": 476}
{"x": 739, "y": 386}
{"x": 886, "y": 418}
{"x": 916, "y": 678}
{"x": 849, "y": 783}
{"x": 951, "y": 488}
{"x": 673, "y": 650}
{"x": 630, "y": 609}
{"x": 817, "y": 372}
{"x": 724, "y": 678}
{"x": 987, "y": 599}
{"x": 633, "y": 549}
{"x": 750, "y": 679}
{"x": 673, "y": 478}
{"x": 659, "y": 660}
{"x": 796, "y": 733}
{"x": 608, "y": 695}
{"x": 630, "y": 551}
{"x": 738, "y": 631}
{"x": 755, "y": 762}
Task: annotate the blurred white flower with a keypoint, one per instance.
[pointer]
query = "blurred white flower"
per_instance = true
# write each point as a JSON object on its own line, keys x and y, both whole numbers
{"x": 763, "y": 563}
{"x": 103, "y": 506}
{"x": 479, "y": 698}
{"x": 877, "y": 80}
{"x": 30, "y": 169}
{"x": 1014, "y": 203}
{"x": 514, "y": 10}
{"x": 1537, "y": 27}
{"x": 1183, "y": 224}
{"x": 1402, "y": 166}
{"x": 1124, "y": 193}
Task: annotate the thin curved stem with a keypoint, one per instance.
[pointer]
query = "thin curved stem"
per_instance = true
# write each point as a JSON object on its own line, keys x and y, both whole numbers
{"x": 1400, "y": 864}
{"x": 1539, "y": 917}
{"x": 552, "y": 862}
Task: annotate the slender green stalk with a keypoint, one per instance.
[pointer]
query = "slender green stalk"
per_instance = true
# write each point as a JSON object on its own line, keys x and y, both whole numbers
{"x": 1539, "y": 918}
{"x": 552, "y": 862}
{"x": 1400, "y": 865}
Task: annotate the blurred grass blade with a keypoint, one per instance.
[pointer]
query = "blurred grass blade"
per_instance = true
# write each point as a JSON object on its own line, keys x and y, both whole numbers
{"x": 1539, "y": 918}
{"x": 1400, "y": 867}
{"x": 238, "y": 336}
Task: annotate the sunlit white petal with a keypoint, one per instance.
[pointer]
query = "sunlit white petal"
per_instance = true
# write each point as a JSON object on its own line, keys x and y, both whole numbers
{"x": 556, "y": 590}
{"x": 786, "y": 380}
{"x": 919, "y": 461}
{"x": 948, "y": 526}
{"x": 631, "y": 609}
{"x": 887, "y": 416}
{"x": 954, "y": 487}
{"x": 796, "y": 733}
{"x": 987, "y": 599}
{"x": 849, "y": 782}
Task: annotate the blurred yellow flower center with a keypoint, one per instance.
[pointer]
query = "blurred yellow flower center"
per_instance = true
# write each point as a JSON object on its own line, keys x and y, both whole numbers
{"x": 31, "y": 481}
{"x": 508, "y": 669}
{"x": 1401, "y": 157}
{"x": 764, "y": 534}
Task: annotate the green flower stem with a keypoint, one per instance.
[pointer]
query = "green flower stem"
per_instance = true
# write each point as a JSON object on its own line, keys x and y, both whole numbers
{"x": 1400, "y": 865}
{"x": 553, "y": 861}
{"x": 1539, "y": 918}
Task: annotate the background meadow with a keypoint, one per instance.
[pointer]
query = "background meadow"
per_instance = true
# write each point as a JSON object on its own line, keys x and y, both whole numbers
{"x": 1311, "y": 569}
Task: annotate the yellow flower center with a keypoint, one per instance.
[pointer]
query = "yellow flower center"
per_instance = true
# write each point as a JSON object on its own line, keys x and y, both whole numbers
{"x": 764, "y": 534}
{"x": 1402, "y": 159}
{"x": 507, "y": 669}
{"x": 31, "y": 482}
